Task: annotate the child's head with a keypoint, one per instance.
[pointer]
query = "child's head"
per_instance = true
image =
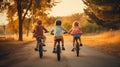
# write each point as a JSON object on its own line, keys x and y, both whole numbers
{"x": 75, "y": 23}
{"x": 39, "y": 22}
{"x": 58, "y": 22}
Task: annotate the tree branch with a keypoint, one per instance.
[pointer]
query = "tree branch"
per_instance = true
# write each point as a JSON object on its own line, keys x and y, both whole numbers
{"x": 27, "y": 11}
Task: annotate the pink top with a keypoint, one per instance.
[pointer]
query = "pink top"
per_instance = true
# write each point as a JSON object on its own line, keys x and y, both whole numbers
{"x": 75, "y": 30}
{"x": 39, "y": 30}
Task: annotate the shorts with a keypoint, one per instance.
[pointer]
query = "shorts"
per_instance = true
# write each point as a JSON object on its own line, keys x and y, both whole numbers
{"x": 76, "y": 35}
{"x": 58, "y": 37}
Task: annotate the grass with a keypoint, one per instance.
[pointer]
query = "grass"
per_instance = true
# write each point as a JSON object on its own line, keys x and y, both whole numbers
{"x": 108, "y": 42}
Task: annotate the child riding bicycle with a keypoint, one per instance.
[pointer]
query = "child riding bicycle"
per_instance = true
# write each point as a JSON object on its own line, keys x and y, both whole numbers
{"x": 58, "y": 34}
{"x": 75, "y": 32}
{"x": 38, "y": 32}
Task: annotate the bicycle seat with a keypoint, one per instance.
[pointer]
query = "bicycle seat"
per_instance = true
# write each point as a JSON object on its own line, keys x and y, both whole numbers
{"x": 76, "y": 37}
{"x": 58, "y": 39}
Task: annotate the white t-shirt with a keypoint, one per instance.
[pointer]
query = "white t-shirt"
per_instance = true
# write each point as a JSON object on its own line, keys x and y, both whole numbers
{"x": 58, "y": 30}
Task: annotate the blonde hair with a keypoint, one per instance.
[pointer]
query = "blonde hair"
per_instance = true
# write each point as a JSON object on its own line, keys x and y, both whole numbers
{"x": 75, "y": 23}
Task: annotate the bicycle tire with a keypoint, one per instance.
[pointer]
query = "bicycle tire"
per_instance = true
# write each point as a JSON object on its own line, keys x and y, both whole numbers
{"x": 58, "y": 53}
{"x": 40, "y": 50}
{"x": 77, "y": 49}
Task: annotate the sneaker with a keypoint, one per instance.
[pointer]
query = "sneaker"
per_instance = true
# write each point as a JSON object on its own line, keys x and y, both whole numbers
{"x": 44, "y": 44}
{"x": 54, "y": 51}
{"x": 44, "y": 50}
{"x": 63, "y": 48}
{"x": 73, "y": 49}
{"x": 81, "y": 44}
{"x": 36, "y": 49}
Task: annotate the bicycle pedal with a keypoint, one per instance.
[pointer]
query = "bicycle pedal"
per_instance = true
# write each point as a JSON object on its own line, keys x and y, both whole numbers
{"x": 81, "y": 45}
{"x": 36, "y": 49}
{"x": 44, "y": 50}
{"x": 53, "y": 51}
{"x": 44, "y": 45}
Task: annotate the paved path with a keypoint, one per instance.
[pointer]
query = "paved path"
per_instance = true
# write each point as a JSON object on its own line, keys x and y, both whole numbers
{"x": 89, "y": 57}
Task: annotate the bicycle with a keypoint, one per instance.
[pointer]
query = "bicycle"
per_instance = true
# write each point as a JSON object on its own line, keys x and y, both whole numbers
{"x": 58, "y": 48}
{"x": 77, "y": 46}
{"x": 40, "y": 46}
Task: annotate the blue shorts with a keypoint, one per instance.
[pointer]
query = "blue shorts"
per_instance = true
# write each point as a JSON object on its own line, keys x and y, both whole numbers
{"x": 76, "y": 35}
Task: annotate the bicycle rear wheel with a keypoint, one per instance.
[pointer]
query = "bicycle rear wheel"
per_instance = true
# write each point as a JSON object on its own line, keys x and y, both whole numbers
{"x": 40, "y": 50}
{"x": 77, "y": 49}
{"x": 58, "y": 53}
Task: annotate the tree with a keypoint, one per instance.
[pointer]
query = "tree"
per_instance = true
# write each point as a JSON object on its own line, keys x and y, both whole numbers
{"x": 104, "y": 12}
{"x": 39, "y": 7}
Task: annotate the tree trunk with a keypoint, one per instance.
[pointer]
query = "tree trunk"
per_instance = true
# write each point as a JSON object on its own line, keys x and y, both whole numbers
{"x": 20, "y": 20}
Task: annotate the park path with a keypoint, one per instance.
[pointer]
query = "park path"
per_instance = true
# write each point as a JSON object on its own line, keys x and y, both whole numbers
{"x": 89, "y": 57}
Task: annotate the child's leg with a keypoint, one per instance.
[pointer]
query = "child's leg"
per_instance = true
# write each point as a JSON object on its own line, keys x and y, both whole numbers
{"x": 73, "y": 42}
{"x": 54, "y": 50}
{"x": 63, "y": 48}
{"x": 44, "y": 39}
{"x": 36, "y": 48}
{"x": 80, "y": 40}
{"x": 55, "y": 43}
{"x": 62, "y": 42}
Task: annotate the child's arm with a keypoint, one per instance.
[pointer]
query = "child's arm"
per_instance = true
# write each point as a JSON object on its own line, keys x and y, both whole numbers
{"x": 45, "y": 29}
{"x": 80, "y": 30}
{"x": 52, "y": 31}
{"x": 70, "y": 31}
{"x": 64, "y": 29}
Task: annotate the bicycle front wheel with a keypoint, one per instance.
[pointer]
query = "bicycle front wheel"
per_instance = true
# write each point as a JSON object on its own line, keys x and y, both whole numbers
{"x": 58, "y": 53}
{"x": 77, "y": 49}
{"x": 40, "y": 50}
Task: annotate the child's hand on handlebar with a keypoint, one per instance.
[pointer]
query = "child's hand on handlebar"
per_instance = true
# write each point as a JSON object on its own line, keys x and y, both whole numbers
{"x": 65, "y": 32}
{"x": 46, "y": 31}
{"x": 52, "y": 33}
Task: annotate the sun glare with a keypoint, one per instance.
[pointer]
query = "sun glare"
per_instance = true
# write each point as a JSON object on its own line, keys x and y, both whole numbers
{"x": 3, "y": 19}
{"x": 67, "y": 7}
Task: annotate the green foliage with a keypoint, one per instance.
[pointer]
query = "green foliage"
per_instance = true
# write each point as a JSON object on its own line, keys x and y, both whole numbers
{"x": 90, "y": 28}
{"x": 104, "y": 12}
{"x": 50, "y": 21}
{"x": 67, "y": 25}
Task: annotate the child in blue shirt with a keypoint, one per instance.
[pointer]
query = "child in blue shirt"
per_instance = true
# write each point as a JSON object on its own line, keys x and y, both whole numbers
{"x": 58, "y": 34}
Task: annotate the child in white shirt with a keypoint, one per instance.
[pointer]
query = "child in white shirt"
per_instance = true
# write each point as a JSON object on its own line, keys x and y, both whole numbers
{"x": 58, "y": 34}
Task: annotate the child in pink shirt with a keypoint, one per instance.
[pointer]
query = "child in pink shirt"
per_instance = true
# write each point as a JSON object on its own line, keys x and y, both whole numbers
{"x": 75, "y": 32}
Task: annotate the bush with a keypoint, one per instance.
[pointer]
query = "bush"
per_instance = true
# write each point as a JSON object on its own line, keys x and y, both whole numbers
{"x": 67, "y": 25}
{"x": 90, "y": 28}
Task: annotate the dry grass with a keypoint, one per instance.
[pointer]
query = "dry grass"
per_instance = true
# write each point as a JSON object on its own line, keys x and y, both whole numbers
{"x": 108, "y": 42}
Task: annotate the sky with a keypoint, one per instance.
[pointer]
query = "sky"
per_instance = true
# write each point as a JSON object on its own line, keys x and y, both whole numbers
{"x": 64, "y": 8}
{"x": 67, "y": 7}
{"x": 3, "y": 19}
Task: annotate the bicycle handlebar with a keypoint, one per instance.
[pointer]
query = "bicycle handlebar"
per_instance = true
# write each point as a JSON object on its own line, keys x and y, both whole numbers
{"x": 63, "y": 33}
